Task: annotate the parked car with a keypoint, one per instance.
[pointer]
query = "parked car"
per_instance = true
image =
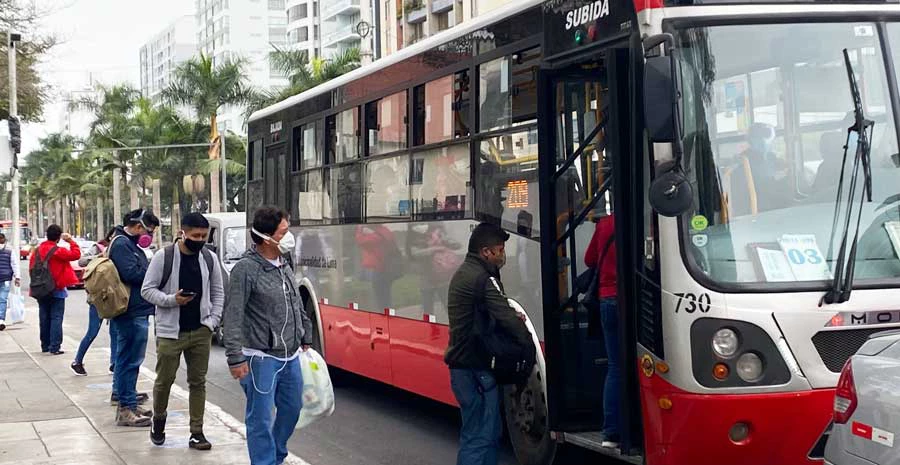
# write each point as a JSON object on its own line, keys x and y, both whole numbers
{"x": 867, "y": 407}
{"x": 87, "y": 247}
{"x": 228, "y": 239}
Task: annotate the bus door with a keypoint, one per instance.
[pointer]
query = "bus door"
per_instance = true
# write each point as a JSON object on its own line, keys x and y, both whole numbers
{"x": 275, "y": 163}
{"x": 584, "y": 137}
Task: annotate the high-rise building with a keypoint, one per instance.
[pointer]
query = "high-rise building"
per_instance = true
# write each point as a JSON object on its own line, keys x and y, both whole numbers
{"x": 405, "y": 22}
{"x": 246, "y": 29}
{"x": 347, "y": 24}
{"x": 163, "y": 53}
{"x": 303, "y": 26}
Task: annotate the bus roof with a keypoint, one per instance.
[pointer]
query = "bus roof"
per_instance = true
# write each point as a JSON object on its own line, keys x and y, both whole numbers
{"x": 466, "y": 27}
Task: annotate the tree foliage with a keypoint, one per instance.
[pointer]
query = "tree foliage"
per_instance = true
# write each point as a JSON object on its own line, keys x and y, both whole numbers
{"x": 24, "y": 16}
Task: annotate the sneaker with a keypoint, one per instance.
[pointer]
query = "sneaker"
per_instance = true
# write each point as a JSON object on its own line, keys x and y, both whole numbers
{"x": 142, "y": 398}
{"x": 129, "y": 417}
{"x": 78, "y": 368}
{"x": 158, "y": 430}
{"x": 58, "y": 352}
{"x": 198, "y": 442}
{"x": 144, "y": 412}
{"x": 112, "y": 369}
{"x": 2, "y": 325}
{"x": 609, "y": 444}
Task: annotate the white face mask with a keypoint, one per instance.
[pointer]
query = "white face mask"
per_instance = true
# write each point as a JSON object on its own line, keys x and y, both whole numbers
{"x": 287, "y": 243}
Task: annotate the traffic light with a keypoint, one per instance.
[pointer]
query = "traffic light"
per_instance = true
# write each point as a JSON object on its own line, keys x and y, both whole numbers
{"x": 15, "y": 134}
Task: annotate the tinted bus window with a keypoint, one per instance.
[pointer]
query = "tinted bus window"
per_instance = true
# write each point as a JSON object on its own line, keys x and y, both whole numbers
{"x": 342, "y": 136}
{"x": 439, "y": 180}
{"x": 388, "y": 192}
{"x": 256, "y": 160}
{"x": 508, "y": 90}
{"x": 507, "y": 182}
{"x": 345, "y": 192}
{"x": 310, "y": 197}
{"x": 386, "y": 124}
{"x": 442, "y": 109}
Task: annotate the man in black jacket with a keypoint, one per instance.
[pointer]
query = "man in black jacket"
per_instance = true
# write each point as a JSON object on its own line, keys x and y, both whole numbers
{"x": 473, "y": 384}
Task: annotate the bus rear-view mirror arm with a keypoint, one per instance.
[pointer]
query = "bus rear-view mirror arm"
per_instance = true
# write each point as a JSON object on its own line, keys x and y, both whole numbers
{"x": 670, "y": 192}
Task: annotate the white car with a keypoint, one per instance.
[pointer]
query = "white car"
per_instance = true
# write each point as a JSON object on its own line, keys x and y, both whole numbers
{"x": 866, "y": 427}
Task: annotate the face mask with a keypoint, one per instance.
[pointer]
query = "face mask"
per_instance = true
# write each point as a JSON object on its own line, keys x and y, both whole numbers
{"x": 266, "y": 237}
{"x": 144, "y": 241}
{"x": 286, "y": 244}
{"x": 193, "y": 246}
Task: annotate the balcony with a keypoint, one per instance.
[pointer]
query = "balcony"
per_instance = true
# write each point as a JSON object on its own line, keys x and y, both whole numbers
{"x": 339, "y": 7}
{"x": 416, "y": 12}
{"x": 441, "y": 6}
{"x": 342, "y": 35}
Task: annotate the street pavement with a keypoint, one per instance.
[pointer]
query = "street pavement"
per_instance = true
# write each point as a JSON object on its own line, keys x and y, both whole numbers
{"x": 373, "y": 424}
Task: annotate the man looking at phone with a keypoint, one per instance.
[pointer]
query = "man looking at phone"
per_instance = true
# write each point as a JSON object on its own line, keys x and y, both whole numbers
{"x": 185, "y": 284}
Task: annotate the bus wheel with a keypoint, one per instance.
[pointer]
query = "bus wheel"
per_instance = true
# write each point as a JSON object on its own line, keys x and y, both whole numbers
{"x": 528, "y": 424}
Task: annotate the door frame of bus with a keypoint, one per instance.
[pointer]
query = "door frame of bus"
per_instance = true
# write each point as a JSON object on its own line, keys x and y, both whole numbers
{"x": 621, "y": 75}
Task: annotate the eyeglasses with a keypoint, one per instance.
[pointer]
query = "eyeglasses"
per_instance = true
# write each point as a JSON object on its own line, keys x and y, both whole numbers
{"x": 140, "y": 219}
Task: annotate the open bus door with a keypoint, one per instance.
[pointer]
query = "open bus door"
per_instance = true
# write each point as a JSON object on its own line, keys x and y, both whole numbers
{"x": 587, "y": 123}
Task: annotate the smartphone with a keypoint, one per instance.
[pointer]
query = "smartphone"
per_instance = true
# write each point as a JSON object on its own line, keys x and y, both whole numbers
{"x": 188, "y": 293}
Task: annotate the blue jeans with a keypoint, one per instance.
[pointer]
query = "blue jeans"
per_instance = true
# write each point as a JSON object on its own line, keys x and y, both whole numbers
{"x": 609, "y": 318}
{"x": 130, "y": 351}
{"x": 270, "y": 386}
{"x": 478, "y": 396}
{"x": 4, "y": 299}
{"x": 50, "y": 313}
{"x": 94, "y": 325}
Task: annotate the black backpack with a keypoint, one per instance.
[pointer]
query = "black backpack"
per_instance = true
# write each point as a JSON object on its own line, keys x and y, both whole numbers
{"x": 510, "y": 361}
{"x": 169, "y": 252}
{"x": 42, "y": 283}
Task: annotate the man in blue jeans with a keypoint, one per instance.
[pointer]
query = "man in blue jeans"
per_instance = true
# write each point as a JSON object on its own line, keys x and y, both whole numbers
{"x": 266, "y": 327}
{"x": 474, "y": 386}
{"x": 9, "y": 273}
{"x": 132, "y": 326}
{"x": 56, "y": 257}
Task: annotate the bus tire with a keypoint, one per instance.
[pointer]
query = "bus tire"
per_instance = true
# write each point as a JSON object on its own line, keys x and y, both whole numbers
{"x": 527, "y": 422}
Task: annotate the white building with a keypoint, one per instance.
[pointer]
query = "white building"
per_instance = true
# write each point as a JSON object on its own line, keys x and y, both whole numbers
{"x": 344, "y": 23}
{"x": 303, "y": 26}
{"x": 405, "y": 22}
{"x": 163, "y": 53}
{"x": 243, "y": 29}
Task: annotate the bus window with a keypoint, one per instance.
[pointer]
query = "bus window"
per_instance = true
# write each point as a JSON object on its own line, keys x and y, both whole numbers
{"x": 345, "y": 190}
{"x": 255, "y": 165}
{"x": 508, "y": 90}
{"x": 440, "y": 179}
{"x": 507, "y": 182}
{"x": 388, "y": 189}
{"x": 386, "y": 124}
{"x": 310, "y": 197}
{"x": 442, "y": 109}
{"x": 342, "y": 136}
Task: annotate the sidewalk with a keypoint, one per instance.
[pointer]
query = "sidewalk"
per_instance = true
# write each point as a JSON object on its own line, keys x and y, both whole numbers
{"x": 49, "y": 416}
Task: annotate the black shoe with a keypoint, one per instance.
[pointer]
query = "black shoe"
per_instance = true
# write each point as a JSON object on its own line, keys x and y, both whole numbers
{"x": 2, "y": 326}
{"x": 199, "y": 442}
{"x": 58, "y": 352}
{"x": 78, "y": 368}
{"x": 112, "y": 369}
{"x": 158, "y": 431}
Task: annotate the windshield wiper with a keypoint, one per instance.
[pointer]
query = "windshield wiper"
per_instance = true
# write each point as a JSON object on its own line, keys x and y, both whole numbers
{"x": 842, "y": 283}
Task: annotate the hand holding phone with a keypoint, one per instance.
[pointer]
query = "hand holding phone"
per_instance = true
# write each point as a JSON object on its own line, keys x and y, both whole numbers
{"x": 182, "y": 297}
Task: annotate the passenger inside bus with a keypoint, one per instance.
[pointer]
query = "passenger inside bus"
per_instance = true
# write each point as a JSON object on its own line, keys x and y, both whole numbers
{"x": 831, "y": 146}
{"x": 755, "y": 184}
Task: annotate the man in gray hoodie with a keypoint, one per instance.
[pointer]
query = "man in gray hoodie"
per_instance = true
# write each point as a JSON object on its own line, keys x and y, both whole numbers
{"x": 266, "y": 327}
{"x": 185, "y": 284}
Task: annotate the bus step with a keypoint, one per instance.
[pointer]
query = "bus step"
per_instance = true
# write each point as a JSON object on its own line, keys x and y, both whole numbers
{"x": 592, "y": 440}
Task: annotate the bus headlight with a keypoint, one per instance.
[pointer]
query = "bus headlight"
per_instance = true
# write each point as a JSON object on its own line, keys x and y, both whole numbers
{"x": 750, "y": 367}
{"x": 725, "y": 342}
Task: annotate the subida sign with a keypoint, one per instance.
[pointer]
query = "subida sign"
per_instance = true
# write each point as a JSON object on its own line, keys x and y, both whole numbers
{"x": 571, "y": 24}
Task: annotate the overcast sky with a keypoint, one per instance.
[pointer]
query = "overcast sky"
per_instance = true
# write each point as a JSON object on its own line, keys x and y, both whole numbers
{"x": 101, "y": 41}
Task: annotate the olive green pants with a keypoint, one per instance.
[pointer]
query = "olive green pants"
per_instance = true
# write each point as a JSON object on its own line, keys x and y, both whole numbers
{"x": 195, "y": 346}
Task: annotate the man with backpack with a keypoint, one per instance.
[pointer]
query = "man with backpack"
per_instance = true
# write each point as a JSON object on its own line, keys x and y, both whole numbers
{"x": 131, "y": 325}
{"x": 51, "y": 273}
{"x": 9, "y": 274}
{"x": 477, "y": 369}
{"x": 185, "y": 284}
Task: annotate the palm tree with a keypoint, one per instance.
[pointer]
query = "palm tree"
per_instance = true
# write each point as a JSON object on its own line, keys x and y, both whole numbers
{"x": 207, "y": 88}
{"x": 304, "y": 74}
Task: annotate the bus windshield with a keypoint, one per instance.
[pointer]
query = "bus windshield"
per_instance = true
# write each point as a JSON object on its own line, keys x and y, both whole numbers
{"x": 24, "y": 233}
{"x": 766, "y": 115}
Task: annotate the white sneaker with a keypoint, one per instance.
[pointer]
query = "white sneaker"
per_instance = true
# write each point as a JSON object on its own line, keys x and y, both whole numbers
{"x": 609, "y": 445}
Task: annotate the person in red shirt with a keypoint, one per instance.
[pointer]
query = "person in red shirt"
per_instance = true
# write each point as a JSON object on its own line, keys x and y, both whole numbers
{"x": 601, "y": 254}
{"x": 53, "y": 307}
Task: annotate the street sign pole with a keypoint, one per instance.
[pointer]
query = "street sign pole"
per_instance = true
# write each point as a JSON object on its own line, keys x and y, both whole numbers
{"x": 14, "y": 111}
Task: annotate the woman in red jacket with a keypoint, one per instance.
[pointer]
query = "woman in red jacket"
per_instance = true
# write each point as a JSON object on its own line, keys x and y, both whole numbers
{"x": 601, "y": 254}
{"x": 53, "y": 307}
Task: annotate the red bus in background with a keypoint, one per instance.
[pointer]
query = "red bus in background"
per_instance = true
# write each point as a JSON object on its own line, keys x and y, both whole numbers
{"x": 25, "y": 236}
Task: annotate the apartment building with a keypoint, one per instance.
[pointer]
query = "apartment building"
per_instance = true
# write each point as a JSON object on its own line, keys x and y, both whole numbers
{"x": 303, "y": 26}
{"x": 163, "y": 53}
{"x": 245, "y": 29}
{"x": 405, "y": 22}
{"x": 347, "y": 24}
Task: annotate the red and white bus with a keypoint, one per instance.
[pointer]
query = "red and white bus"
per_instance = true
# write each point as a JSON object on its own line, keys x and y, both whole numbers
{"x": 25, "y": 236}
{"x": 714, "y": 130}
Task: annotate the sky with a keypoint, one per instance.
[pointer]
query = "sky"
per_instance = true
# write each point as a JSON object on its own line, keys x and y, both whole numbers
{"x": 100, "y": 43}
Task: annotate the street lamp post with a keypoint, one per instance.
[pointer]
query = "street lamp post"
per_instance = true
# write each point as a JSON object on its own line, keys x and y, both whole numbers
{"x": 13, "y": 112}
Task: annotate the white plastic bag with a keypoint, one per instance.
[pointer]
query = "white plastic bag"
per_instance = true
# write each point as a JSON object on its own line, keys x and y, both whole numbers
{"x": 15, "y": 306}
{"x": 318, "y": 394}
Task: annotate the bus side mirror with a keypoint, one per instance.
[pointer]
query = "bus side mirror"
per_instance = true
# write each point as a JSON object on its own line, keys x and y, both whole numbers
{"x": 659, "y": 95}
{"x": 671, "y": 193}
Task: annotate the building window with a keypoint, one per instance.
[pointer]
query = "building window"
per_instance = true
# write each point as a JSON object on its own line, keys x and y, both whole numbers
{"x": 342, "y": 136}
{"x": 298, "y": 12}
{"x": 442, "y": 109}
{"x": 276, "y": 5}
{"x": 386, "y": 124}
{"x": 298, "y": 35}
{"x": 443, "y": 21}
{"x": 508, "y": 90}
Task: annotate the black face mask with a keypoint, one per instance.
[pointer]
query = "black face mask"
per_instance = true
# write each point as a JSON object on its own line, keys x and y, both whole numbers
{"x": 194, "y": 246}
